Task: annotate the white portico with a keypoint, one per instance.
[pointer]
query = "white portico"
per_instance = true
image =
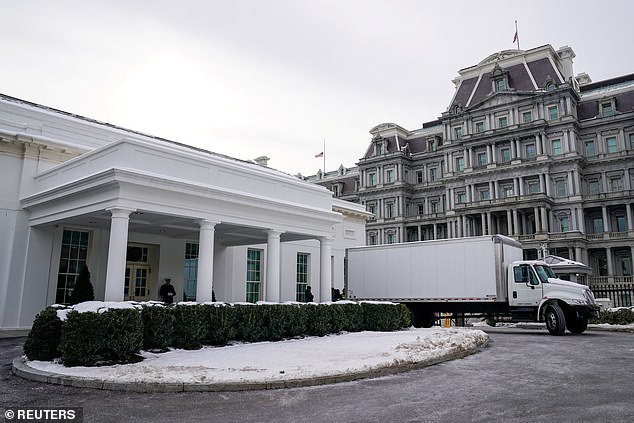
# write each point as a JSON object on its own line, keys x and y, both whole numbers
{"x": 137, "y": 209}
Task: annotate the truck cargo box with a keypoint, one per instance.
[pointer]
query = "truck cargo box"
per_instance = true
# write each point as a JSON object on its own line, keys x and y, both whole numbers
{"x": 458, "y": 269}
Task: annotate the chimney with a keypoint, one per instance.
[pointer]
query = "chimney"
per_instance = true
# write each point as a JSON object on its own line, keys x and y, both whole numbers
{"x": 566, "y": 55}
{"x": 262, "y": 161}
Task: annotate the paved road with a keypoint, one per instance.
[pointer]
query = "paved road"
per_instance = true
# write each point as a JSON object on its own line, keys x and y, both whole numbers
{"x": 523, "y": 376}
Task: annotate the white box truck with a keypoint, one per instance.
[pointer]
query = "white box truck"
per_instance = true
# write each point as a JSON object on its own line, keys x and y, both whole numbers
{"x": 477, "y": 276}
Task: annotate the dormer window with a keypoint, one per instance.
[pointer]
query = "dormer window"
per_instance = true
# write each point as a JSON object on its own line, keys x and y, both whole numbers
{"x": 337, "y": 189}
{"x": 500, "y": 79}
{"x": 380, "y": 145}
{"x": 607, "y": 107}
{"x": 550, "y": 86}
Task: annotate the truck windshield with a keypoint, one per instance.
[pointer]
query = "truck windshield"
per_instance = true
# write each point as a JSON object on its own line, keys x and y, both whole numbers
{"x": 544, "y": 272}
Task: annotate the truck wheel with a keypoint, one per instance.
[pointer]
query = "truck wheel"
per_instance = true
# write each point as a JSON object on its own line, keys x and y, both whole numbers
{"x": 555, "y": 320}
{"x": 577, "y": 325}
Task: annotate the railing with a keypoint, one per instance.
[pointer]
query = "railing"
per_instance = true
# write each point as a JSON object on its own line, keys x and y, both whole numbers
{"x": 620, "y": 294}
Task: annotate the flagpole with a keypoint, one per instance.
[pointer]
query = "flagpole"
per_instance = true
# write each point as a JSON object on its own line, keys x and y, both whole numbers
{"x": 324, "y": 156}
{"x": 517, "y": 35}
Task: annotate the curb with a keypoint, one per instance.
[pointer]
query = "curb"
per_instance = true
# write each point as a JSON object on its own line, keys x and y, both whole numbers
{"x": 21, "y": 369}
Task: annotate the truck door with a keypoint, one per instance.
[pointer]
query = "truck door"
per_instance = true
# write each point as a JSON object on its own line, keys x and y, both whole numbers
{"x": 525, "y": 288}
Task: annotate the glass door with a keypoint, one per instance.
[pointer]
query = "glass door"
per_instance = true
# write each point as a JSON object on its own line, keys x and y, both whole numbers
{"x": 136, "y": 286}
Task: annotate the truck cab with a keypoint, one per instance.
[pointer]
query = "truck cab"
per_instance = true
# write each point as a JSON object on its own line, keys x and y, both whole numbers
{"x": 536, "y": 294}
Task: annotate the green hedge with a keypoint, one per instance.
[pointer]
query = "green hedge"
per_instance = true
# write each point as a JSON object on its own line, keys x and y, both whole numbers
{"x": 189, "y": 326}
{"x": 43, "y": 340}
{"x": 158, "y": 327}
{"x": 621, "y": 316}
{"x": 118, "y": 335}
{"x": 91, "y": 339}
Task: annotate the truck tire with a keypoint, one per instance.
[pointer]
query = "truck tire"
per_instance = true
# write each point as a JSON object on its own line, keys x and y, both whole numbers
{"x": 577, "y": 325}
{"x": 555, "y": 320}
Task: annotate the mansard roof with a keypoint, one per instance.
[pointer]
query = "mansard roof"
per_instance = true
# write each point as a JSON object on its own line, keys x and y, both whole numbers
{"x": 526, "y": 71}
{"x": 621, "y": 89}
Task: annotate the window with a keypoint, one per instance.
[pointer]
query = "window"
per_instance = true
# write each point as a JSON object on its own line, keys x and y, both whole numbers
{"x": 461, "y": 198}
{"x": 560, "y": 188}
{"x": 550, "y": 86}
{"x": 564, "y": 224}
{"x": 531, "y": 151}
{"x": 533, "y": 187}
{"x": 606, "y": 109}
{"x": 503, "y": 122}
{"x": 389, "y": 175}
{"x": 419, "y": 176}
{"x": 616, "y": 184}
{"x": 508, "y": 191}
{"x": 372, "y": 239}
{"x": 611, "y": 145}
{"x": 479, "y": 127}
{"x": 380, "y": 149}
{"x": 482, "y": 158}
{"x": 484, "y": 194}
{"x": 500, "y": 84}
{"x": 336, "y": 189}
{"x": 190, "y": 271}
{"x": 372, "y": 209}
{"x": 421, "y": 209}
{"x": 632, "y": 141}
{"x": 459, "y": 164}
{"x": 302, "y": 277}
{"x": 556, "y": 147}
{"x": 372, "y": 179}
{"x": 458, "y": 132}
{"x": 590, "y": 148}
{"x": 553, "y": 113}
{"x": 527, "y": 117}
{"x": 72, "y": 259}
{"x": 434, "y": 206}
{"x": 597, "y": 225}
{"x": 505, "y": 154}
{"x": 432, "y": 145}
{"x": 433, "y": 174}
{"x": 391, "y": 238}
{"x": 593, "y": 187}
{"x": 620, "y": 224}
{"x": 389, "y": 210}
{"x": 254, "y": 274}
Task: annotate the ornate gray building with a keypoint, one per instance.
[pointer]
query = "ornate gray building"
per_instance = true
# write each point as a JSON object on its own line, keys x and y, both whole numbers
{"x": 524, "y": 149}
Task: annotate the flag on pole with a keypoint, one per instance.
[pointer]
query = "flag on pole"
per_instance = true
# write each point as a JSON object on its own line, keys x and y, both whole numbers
{"x": 319, "y": 155}
{"x": 515, "y": 37}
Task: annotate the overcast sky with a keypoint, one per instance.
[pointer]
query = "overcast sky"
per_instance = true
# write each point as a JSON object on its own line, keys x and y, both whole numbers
{"x": 276, "y": 77}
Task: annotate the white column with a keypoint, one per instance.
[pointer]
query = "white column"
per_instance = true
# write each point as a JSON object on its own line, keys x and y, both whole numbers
{"x": 273, "y": 259}
{"x": 630, "y": 224}
{"x": 117, "y": 250}
{"x": 544, "y": 220}
{"x": 608, "y": 254}
{"x": 325, "y": 282}
{"x": 204, "y": 283}
{"x": 538, "y": 227}
{"x": 606, "y": 222}
{"x": 580, "y": 221}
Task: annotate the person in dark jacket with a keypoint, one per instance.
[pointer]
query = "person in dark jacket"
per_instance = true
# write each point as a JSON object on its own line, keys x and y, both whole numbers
{"x": 167, "y": 291}
{"x": 309, "y": 295}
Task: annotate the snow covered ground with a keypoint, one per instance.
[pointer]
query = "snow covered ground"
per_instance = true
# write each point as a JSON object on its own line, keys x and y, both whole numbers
{"x": 285, "y": 360}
